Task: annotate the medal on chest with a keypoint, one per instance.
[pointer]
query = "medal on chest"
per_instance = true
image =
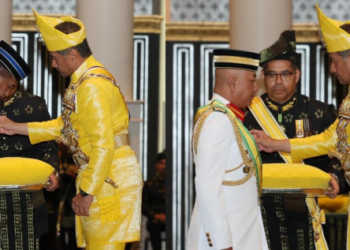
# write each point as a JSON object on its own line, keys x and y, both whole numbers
{"x": 69, "y": 100}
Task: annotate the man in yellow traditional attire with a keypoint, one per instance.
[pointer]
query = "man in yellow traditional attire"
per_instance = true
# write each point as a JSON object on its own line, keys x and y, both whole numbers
{"x": 227, "y": 215}
{"x": 335, "y": 141}
{"x": 94, "y": 125}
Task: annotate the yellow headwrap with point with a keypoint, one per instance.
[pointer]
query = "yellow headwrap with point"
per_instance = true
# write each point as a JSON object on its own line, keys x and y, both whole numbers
{"x": 54, "y": 39}
{"x": 335, "y": 38}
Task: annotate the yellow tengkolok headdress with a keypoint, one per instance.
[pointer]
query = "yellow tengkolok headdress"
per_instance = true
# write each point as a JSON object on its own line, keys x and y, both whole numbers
{"x": 54, "y": 39}
{"x": 334, "y": 38}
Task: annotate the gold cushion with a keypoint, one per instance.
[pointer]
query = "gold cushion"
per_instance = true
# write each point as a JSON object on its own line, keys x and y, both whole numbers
{"x": 23, "y": 171}
{"x": 337, "y": 205}
{"x": 294, "y": 176}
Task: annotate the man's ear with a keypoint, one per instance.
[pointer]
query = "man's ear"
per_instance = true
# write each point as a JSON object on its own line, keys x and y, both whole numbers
{"x": 297, "y": 75}
{"x": 231, "y": 81}
{"x": 73, "y": 54}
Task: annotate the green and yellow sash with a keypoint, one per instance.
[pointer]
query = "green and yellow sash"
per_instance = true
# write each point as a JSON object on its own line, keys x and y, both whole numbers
{"x": 266, "y": 121}
{"x": 242, "y": 135}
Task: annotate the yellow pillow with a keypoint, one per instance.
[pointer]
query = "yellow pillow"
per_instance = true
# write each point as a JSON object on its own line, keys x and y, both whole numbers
{"x": 294, "y": 177}
{"x": 23, "y": 171}
{"x": 337, "y": 205}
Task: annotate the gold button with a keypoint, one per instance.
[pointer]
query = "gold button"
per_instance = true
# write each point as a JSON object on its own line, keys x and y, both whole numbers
{"x": 207, "y": 234}
{"x": 210, "y": 244}
{"x": 209, "y": 240}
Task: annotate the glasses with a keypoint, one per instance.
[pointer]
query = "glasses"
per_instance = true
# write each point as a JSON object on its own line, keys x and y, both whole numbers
{"x": 272, "y": 76}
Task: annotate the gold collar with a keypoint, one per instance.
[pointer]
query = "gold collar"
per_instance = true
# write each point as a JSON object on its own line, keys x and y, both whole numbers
{"x": 16, "y": 95}
{"x": 281, "y": 107}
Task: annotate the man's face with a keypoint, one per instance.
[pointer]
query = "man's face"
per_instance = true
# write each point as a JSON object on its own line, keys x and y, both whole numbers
{"x": 160, "y": 166}
{"x": 244, "y": 89}
{"x": 8, "y": 86}
{"x": 62, "y": 63}
{"x": 340, "y": 67}
{"x": 280, "y": 80}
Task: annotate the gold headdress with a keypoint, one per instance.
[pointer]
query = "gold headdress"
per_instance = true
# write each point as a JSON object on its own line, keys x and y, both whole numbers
{"x": 335, "y": 38}
{"x": 54, "y": 39}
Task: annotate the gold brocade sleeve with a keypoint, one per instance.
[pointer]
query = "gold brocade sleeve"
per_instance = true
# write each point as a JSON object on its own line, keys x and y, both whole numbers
{"x": 316, "y": 145}
{"x": 94, "y": 112}
{"x": 44, "y": 131}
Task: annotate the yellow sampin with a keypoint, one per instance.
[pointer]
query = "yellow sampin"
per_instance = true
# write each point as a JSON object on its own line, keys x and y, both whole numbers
{"x": 335, "y": 38}
{"x": 54, "y": 39}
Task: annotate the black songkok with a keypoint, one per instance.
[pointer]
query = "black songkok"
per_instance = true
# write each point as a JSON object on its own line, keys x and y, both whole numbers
{"x": 283, "y": 49}
{"x": 13, "y": 62}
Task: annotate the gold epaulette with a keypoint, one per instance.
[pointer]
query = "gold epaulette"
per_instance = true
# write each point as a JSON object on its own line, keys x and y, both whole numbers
{"x": 220, "y": 109}
{"x": 199, "y": 121}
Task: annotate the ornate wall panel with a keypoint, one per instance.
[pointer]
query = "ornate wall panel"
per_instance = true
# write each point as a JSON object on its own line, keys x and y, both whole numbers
{"x": 200, "y": 10}
{"x": 143, "y": 7}
{"x": 67, "y": 7}
{"x": 305, "y": 12}
{"x": 218, "y": 10}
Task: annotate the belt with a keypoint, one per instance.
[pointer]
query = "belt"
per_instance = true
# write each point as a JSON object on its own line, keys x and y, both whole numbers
{"x": 82, "y": 159}
{"x": 121, "y": 140}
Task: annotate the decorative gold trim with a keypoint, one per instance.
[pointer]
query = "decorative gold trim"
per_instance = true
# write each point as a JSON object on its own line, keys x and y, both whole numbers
{"x": 179, "y": 31}
{"x": 219, "y": 32}
{"x": 233, "y": 169}
{"x": 197, "y": 31}
{"x": 142, "y": 24}
{"x": 23, "y": 22}
{"x": 148, "y": 24}
{"x": 306, "y": 32}
{"x": 236, "y": 59}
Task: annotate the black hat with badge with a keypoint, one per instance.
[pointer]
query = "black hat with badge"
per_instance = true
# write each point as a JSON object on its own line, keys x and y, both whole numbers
{"x": 13, "y": 62}
{"x": 283, "y": 49}
{"x": 236, "y": 59}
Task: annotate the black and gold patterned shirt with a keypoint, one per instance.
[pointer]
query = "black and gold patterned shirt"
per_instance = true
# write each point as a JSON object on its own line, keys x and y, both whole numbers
{"x": 24, "y": 107}
{"x": 296, "y": 108}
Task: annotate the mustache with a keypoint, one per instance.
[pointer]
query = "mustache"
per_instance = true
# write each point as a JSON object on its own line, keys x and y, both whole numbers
{"x": 278, "y": 88}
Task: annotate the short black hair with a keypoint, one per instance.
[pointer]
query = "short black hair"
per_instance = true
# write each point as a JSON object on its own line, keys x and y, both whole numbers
{"x": 82, "y": 48}
{"x": 160, "y": 156}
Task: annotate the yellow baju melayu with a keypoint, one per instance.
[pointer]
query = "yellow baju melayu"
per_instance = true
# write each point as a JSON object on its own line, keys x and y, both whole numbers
{"x": 94, "y": 125}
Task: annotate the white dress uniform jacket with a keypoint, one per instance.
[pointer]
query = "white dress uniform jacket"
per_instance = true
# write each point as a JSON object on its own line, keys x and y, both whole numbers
{"x": 223, "y": 216}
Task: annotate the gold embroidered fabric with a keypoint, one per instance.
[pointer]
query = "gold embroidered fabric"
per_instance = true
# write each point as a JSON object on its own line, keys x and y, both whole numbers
{"x": 284, "y": 107}
{"x": 334, "y": 141}
{"x": 94, "y": 125}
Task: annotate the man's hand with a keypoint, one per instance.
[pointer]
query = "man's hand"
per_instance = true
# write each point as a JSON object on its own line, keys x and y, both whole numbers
{"x": 334, "y": 188}
{"x": 5, "y": 126}
{"x": 81, "y": 204}
{"x": 262, "y": 140}
{"x": 269, "y": 145}
{"x": 53, "y": 183}
{"x": 160, "y": 217}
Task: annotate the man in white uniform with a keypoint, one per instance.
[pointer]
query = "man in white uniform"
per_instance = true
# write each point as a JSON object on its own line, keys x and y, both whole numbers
{"x": 227, "y": 215}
